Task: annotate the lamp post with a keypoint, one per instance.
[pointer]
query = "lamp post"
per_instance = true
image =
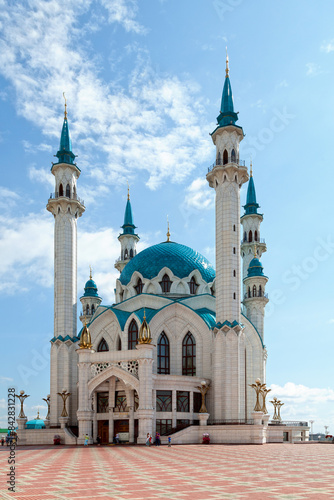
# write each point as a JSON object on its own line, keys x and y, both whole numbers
{"x": 21, "y": 419}
{"x": 312, "y": 422}
{"x": 47, "y": 418}
{"x": 64, "y": 415}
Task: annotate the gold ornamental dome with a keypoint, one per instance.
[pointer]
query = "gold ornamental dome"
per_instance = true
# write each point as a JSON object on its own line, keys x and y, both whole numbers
{"x": 144, "y": 332}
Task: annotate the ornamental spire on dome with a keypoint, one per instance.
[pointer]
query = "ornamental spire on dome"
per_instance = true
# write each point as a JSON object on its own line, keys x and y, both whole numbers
{"x": 128, "y": 226}
{"x": 251, "y": 204}
{"x": 65, "y": 154}
{"x": 168, "y": 233}
{"x": 227, "y": 115}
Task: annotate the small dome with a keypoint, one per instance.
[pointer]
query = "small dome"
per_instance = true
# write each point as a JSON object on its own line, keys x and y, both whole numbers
{"x": 255, "y": 268}
{"x": 90, "y": 289}
{"x": 180, "y": 259}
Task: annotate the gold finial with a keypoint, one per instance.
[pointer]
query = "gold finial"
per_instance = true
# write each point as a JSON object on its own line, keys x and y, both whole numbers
{"x": 168, "y": 233}
{"x": 38, "y": 417}
{"x": 251, "y": 167}
{"x": 144, "y": 314}
{"x": 85, "y": 339}
{"x": 65, "y": 114}
{"x": 227, "y": 67}
{"x": 144, "y": 336}
{"x": 128, "y": 192}
{"x": 90, "y": 273}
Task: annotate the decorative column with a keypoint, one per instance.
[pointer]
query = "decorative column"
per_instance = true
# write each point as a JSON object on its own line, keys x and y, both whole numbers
{"x": 174, "y": 408}
{"x": 64, "y": 418}
{"x": 21, "y": 419}
{"x": 84, "y": 413}
{"x": 131, "y": 416}
{"x": 145, "y": 374}
{"x": 47, "y": 418}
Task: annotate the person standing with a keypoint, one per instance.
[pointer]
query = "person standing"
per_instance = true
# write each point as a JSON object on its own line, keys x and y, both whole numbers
{"x": 148, "y": 439}
{"x": 117, "y": 438}
{"x": 86, "y": 439}
{"x": 98, "y": 440}
{"x": 157, "y": 439}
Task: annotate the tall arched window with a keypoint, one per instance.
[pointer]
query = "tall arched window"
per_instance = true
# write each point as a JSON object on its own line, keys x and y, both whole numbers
{"x": 165, "y": 284}
{"x": 219, "y": 159}
{"x": 193, "y": 286}
{"x": 132, "y": 335}
{"x": 255, "y": 236}
{"x": 225, "y": 157}
{"x": 249, "y": 292}
{"x": 103, "y": 346}
{"x": 139, "y": 287}
{"x": 68, "y": 191}
{"x": 163, "y": 354}
{"x": 118, "y": 343}
{"x": 254, "y": 291}
{"x": 126, "y": 254}
{"x": 245, "y": 236}
{"x": 87, "y": 309}
{"x": 233, "y": 156}
{"x": 250, "y": 236}
{"x": 93, "y": 309}
{"x": 131, "y": 253}
{"x": 189, "y": 355}
{"x": 61, "y": 190}
{"x": 260, "y": 291}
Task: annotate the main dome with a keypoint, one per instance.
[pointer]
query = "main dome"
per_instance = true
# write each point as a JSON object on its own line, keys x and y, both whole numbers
{"x": 180, "y": 259}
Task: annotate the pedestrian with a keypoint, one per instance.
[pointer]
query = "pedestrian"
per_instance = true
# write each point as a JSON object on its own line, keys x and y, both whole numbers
{"x": 148, "y": 439}
{"x": 98, "y": 440}
{"x": 169, "y": 441}
{"x": 157, "y": 439}
{"x": 117, "y": 438}
{"x": 3, "y": 441}
{"x": 86, "y": 439}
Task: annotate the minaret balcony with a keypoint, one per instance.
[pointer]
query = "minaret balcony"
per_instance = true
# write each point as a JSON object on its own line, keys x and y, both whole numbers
{"x": 259, "y": 241}
{"x": 257, "y": 295}
{"x": 54, "y": 196}
{"x": 232, "y": 159}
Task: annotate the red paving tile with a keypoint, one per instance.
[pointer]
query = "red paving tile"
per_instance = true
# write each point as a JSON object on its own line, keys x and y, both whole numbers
{"x": 194, "y": 472}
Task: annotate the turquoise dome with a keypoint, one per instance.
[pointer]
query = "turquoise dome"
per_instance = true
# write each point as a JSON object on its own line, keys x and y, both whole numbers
{"x": 255, "y": 268}
{"x": 180, "y": 259}
{"x": 90, "y": 289}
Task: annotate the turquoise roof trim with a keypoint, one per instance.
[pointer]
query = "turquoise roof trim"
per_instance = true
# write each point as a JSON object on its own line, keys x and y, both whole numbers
{"x": 251, "y": 205}
{"x": 227, "y": 115}
{"x": 128, "y": 226}
{"x": 64, "y": 339}
{"x": 180, "y": 259}
{"x": 255, "y": 268}
{"x": 65, "y": 154}
{"x": 207, "y": 315}
{"x": 90, "y": 289}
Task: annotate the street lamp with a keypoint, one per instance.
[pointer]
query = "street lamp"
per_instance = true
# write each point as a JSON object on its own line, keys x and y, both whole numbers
{"x": 312, "y": 422}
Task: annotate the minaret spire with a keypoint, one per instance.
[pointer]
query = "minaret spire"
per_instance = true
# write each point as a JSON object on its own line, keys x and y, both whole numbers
{"x": 168, "y": 233}
{"x": 65, "y": 112}
{"x": 128, "y": 238}
{"x": 227, "y": 67}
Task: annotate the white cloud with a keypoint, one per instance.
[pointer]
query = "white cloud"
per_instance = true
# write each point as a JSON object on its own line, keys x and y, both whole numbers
{"x": 312, "y": 69}
{"x": 327, "y": 46}
{"x": 152, "y": 124}
{"x": 5, "y": 380}
{"x": 33, "y": 148}
{"x": 8, "y": 198}
{"x": 199, "y": 196}
{"x": 41, "y": 175}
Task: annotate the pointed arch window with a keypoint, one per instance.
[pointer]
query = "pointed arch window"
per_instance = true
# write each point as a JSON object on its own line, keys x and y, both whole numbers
{"x": 245, "y": 236}
{"x": 254, "y": 291}
{"x": 249, "y": 292}
{"x": 118, "y": 343}
{"x": 131, "y": 253}
{"x": 103, "y": 346}
{"x": 250, "y": 236}
{"x": 225, "y": 157}
{"x": 219, "y": 159}
{"x": 233, "y": 157}
{"x": 87, "y": 310}
{"x": 189, "y": 355}
{"x": 126, "y": 254}
{"x": 139, "y": 287}
{"x": 93, "y": 309}
{"x": 193, "y": 286}
{"x": 61, "y": 190}
{"x": 255, "y": 236}
{"x": 165, "y": 284}
{"x": 260, "y": 291}
{"x": 163, "y": 354}
{"x": 68, "y": 191}
{"x": 132, "y": 335}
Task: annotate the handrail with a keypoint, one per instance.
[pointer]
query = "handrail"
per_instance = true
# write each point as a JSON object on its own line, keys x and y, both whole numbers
{"x": 220, "y": 161}
{"x": 258, "y": 294}
{"x": 292, "y": 423}
{"x": 54, "y": 196}
{"x": 234, "y": 421}
{"x": 261, "y": 240}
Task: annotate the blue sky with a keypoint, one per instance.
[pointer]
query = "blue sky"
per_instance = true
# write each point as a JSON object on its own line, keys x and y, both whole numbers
{"x": 143, "y": 82}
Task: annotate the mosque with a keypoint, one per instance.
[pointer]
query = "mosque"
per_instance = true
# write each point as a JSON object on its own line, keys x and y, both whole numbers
{"x": 179, "y": 349}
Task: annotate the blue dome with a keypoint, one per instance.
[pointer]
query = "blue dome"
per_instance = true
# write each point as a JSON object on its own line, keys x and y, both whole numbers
{"x": 37, "y": 423}
{"x": 90, "y": 289}
{"x": 255, "y": 268}
{"x": 181, "y": 260}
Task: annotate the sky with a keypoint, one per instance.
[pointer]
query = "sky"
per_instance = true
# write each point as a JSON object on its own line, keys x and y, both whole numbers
{"x": 143, "y": 82}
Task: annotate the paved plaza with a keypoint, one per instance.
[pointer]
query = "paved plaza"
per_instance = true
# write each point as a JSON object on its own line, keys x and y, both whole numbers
{"x": 189, "y": 472}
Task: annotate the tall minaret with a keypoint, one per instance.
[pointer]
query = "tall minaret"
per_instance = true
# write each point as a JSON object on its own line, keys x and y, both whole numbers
{"x": 128, "y": 239}
{"x": 66, "y": 207}
{"x": 251, "y": 221}
{"x": 226, "y": 177}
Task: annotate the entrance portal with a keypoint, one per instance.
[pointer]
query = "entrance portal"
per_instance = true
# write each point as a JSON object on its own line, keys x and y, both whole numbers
{"x": 103, "y": 431}
{"x": 121, "y": 427}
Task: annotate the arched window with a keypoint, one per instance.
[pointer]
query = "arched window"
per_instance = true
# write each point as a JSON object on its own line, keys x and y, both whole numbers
{"x": 93, "y": 309}
{"x": 234, "y": 273}
{"x": 68, "y": 191}
{"x": 131, "y": 253}
{"x": 245, "y": 236}
{"x": 139, "y": 287}
{"x": 250, "y": 236}
{"x": 126, "y": 254}
{"x": 233, "y": 156}
{"x": 233, "y": 227}
{"x": 234, "y": 296}
{"x": 254, "y": 291}
{"x": 234, "y": 250}
{"x": 193, "y": 286}
{"x": 118, "y": 343}
{"x": 132, "y": 335}
{"x": 260, "y": 291}
{"x": 87, "y": 310}
{"x": 163, "y": 354}
{"x": 189, "y": 355}
{"x": 103, "y": 346}
{"x": 225, "y": 157}
{"x": 255, "y": 236}
{"x": 219, "y": 159}
{"x": 165, "y": 284}
{"x": 61, "y": 190}
{"x": 74, "y": 193}
{"x": 249, "y": 292}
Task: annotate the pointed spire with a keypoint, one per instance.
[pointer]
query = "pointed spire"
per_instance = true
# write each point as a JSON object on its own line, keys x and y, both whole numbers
{"x": 168, "y": 233}
{"x": 251, "y": 204}
{"x": 128, "y": 226}
{"x": 65, "y": 154}
{"x": 227, "y": 115}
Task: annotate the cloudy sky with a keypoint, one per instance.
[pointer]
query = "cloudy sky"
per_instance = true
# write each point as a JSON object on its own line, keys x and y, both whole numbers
{"x": 143, "y": 82}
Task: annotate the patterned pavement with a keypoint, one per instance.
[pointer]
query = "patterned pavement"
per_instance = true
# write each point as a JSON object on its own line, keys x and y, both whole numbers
{"x": 188, "y": 472}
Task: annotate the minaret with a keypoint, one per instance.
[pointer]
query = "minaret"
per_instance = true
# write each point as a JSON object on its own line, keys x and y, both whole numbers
{"x": 255, "y": 299}
{"x": 251, "y": 221}
{"x": 227, "y": 176}
{"x": 66, "y": 207}
{"x": 90, "y": 300}
{"x": 128, "y": 239}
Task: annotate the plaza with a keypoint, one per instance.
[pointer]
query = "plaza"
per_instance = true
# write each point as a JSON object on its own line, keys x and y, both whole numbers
{"x": 196, "y": 472}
